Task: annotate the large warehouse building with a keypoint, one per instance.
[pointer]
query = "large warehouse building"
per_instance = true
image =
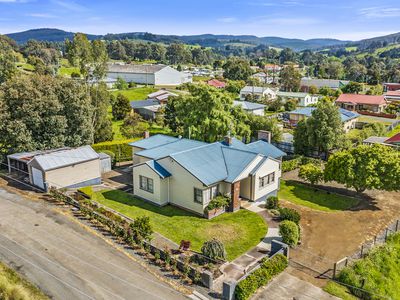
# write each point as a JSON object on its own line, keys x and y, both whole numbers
{"x": 161, "y": 75}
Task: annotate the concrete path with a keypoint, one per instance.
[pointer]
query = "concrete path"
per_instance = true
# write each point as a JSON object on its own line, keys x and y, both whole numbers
{"x": 288, "y": 287}
{"x": 65, "y": 260}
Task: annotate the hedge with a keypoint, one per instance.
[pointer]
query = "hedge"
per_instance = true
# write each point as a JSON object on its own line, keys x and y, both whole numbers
{"x": 289, "y": 214}
{"x": 297, "y": 161}
{"x": 123, "y": 152}
{"x": 289, "y": 232}
{"x": 260, "y": 277}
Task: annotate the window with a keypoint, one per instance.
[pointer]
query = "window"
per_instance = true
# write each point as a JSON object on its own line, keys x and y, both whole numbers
{"x": 266, "y": 180}
{"x": 205, "y": 196}
{"x": 198, "y": 196}
{"x": 146, "y": 184}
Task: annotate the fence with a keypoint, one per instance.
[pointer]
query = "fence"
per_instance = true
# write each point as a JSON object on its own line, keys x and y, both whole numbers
{"x": 393, "y": 125}
{"x": 379, "y": 239}
{"x": 119, "y": 230}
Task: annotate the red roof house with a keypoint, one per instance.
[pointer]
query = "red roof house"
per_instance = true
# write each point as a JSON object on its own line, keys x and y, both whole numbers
{"x": 216, "y": 83}
{"x": 392, "y": 96}
{"x": 391, "y": 86}
{"x": 358, "y": 102}
{"x": 395, "y": 140}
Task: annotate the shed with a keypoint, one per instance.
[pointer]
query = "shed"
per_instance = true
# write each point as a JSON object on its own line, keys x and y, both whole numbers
{"x": 105, "y": 163}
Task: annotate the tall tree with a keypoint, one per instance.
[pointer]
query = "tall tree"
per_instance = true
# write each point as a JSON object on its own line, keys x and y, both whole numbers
{"x": 120, "y": 107}
{"x": 237, "y": 69}
{"x": 365, "y": 167}
{"x": 101, "y": 122}
{"x": 290, "y": 79}
{"x": 7, "y": 59}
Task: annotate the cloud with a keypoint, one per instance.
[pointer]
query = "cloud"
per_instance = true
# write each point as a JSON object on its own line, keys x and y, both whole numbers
{"x": 380, "y": 12}
{"x": 227, "y": 20}
{"x": 70, "y": 5}
{"x": 41, "y": 15}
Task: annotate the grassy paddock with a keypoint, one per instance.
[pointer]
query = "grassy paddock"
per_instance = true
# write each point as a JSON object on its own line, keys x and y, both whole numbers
{"x": 339, "y": 291}
{"x": 301, "y": 194}
{"x": 136, "y": 93}
{"x": 239, "y": 231}
{"x": 378, "y": 272}
{"x": 12, "y": 286}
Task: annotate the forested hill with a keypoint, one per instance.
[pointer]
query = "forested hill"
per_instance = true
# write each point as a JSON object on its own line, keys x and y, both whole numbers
{"x": 206, "y": 40}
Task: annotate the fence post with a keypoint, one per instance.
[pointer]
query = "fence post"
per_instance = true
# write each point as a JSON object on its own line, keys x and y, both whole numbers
{"x": 334, "y": 270}
{"x": 386, "y": 234}
{"x": 374, "y": 240}
{"x": 397, "y": 225}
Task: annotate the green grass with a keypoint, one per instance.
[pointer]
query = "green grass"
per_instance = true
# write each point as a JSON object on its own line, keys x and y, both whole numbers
{"x": 301, "y": 194}
{"x": 25, "y": 67}
{"x": 12, "y": 286}
{"x": 394, "y": 131}
{"x": 201, "y": 78}
{"x": 239, "y": 231}
{"x": 136, "y": 93}
{"x": 339, "y": 291}
{"x": 368, "y": 119}
{"x": 378, "y": 272}
{"x": 67, "y": 71}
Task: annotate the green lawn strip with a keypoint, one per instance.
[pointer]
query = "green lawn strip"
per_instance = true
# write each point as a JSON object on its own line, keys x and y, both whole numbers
{"x": 394, "y": 131}
{"x": 378, "y": 272}
{"x": 239, "y": 231}
{"x": 301, "y": 194}
{"x": 136, "y": 93}
{"x": 339, "y": 291}
{"x": 12, "y": 286}
{"x": 368, "y": 119}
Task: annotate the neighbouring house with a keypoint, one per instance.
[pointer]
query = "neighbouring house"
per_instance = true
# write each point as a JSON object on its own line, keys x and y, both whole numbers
{"x": 189, "y": 174}
{"x": 390, "y": 87}
{"x": 251, "y": 107}
{"x": 265, "y": 78}
{"x": 161, "y": 95}
{"x": 286, "y": 143}
{"x": 349, "y": 118}
{"x": 148, "y": 109}
{"x": 257, "y": 93}
{"x": 304, "y": 99}
{"x": 393, "y": 141}
{"x": 110, "y": 82}
{"x": 307, "y": 82}
{"x": 59, "y": 168}
{"x": 392, "y": 96}
{"x": 216, "y": 83}
{"x": 272, "y": 68}
{"x": 148, "y": 74}
{"x": 357, "y": 102}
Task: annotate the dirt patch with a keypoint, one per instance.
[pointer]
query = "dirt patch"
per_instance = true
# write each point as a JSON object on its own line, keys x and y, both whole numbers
{"x": 328, "y": 237}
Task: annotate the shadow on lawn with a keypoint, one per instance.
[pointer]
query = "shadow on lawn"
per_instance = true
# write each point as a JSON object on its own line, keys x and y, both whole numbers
{"x": 126, "y": 199}
{"x": 365, "y": 202}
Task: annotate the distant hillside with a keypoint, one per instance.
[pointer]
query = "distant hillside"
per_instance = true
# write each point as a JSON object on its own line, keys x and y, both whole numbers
{"x": 206, "y": 40}
{"x": 45, "y": 34}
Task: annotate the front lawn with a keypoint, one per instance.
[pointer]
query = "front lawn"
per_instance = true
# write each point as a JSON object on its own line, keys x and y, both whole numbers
{"x": 238, "y": 231}
{"x": 301, "y": 194}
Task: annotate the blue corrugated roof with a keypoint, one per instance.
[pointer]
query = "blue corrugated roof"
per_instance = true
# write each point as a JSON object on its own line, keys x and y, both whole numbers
{"x": 156, "y": 167}
{"x": 170, "y": 148}
{"x": 345, "y": 115}
{"x": 154, "y": 141}
{"x": 236, "y": 161}
{"x": 246, "y": 105}
{"x": 235, "y": 144}
{"x": 266, "y": 149}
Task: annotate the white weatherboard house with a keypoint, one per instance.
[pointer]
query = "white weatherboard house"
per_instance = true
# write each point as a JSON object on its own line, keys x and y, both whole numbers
{"x": 257, "y": 92}
{"x": 304, "y": 99}
{"x": 148, "y": 74}
{"x": 59, "y": 168}
{"x": 189, "y": 174}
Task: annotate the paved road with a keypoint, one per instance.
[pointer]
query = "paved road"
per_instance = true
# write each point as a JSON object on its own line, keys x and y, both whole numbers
{"x": 66, "y": 261}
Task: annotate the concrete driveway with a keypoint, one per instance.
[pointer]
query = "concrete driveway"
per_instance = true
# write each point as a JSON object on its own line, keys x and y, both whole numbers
{"x": 66, "y": 261}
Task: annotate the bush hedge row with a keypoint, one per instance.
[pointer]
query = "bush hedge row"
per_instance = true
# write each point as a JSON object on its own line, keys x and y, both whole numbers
{"x": 260, "y": 277}
{"x": 289, "y": 214}
{"x": 297, "y": 161}
{"x": 121, "y": 149}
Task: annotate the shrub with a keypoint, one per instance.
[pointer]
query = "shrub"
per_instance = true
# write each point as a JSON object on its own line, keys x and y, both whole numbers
{"x": 290, "y": 232}
{"x": 289, "y": 214}
{"x": 214, "y": 249}
{"x": 269, "y": 268}
{"x": 290, "y": 165}
{"x": 75, "y": 75}
{"x": 123, "y": 152}
{"x": 218, "y": 202}
{"x": 311, "y": 173}
{"x": 87, "y": 190}
{"x": 272, "y": 202}
{"x": 141, "y": 228}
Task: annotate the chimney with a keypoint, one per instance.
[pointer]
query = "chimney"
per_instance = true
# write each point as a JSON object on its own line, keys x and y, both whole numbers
{"x": 228, "y": 140}
{"x": 146, "y": 135}
{"x": 264, "y": 135}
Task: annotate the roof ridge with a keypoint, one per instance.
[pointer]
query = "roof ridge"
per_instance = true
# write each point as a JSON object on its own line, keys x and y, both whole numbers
{"x": 187, "y": 150}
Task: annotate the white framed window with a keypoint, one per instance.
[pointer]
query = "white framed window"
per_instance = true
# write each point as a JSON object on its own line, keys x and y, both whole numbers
{"x": 146, "y": 184}
{"x": 266, "y": 180}
{"x": 204, "y": 196}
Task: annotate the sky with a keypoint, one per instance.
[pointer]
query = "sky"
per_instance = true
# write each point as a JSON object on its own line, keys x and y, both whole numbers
{"x": 305, "y": 19}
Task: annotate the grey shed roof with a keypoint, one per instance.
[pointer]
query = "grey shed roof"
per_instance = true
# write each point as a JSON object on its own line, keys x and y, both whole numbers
{"x": 65, "y": 157}
{"x": 376, "y": 140}
{"x": 246, "y": 105}
{"x": 136, "y": 69}
{"x": 144, "y": 103}
{"x": 254, "y": 89}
